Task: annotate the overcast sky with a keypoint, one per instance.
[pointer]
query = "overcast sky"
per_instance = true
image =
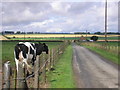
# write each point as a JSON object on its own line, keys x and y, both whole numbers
{"x": 58, "y": 16}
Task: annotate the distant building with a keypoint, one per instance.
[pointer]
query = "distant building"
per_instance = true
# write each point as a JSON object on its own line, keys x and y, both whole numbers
{"x": 82, "y": 38}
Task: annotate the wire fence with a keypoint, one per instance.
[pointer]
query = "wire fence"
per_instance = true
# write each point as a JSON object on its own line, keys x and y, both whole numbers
{"x": 110, "y": 48}
{"x": 38, "y": 79}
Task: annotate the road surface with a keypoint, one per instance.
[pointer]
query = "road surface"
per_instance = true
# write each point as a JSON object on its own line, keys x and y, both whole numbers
{"x": 93, "y": 71}
{"x": 0, "y": 79}
{"x": 0, "y": 75}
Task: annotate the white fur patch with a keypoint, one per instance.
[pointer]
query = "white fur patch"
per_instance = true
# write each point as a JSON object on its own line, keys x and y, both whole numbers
{"x": 21, "y": 56}
{"x": 27, "y": 60}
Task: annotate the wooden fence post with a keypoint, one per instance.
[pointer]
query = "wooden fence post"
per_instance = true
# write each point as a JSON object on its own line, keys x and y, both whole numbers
{"x": 7, "y": 72}
{"x": 21, "y": 82}
{"x": 54, "y": 55}
{"x": 37, "y": 65}
{"x": 44, "y": 68}
{"x": 57, "y": 52}
{"x": 52, "y": 61}
{"x": 45, "y": 71}
{"x": 108, "y": 48}
{"x": 49, "y": 63}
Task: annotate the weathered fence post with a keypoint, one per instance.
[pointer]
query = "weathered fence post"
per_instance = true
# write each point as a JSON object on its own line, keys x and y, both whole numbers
{"x": 49, "y": 63}
{"x": 53, "y": 51}
{"x": 44, "y": 69}
{"x": 52, "y": 58}
{"x": 37, "y": 65}
{"x": 21, "y": 82}
{"x": 7, "y": 72}
{"x": 15, "y": 76}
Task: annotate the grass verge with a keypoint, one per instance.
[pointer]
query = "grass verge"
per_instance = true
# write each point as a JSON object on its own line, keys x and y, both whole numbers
{"x": 62, "y": 76}
{"x": 108, "y": 55}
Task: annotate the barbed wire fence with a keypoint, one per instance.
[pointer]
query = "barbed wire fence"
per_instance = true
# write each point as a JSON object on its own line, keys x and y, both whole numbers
{"x": 43, "y": 64}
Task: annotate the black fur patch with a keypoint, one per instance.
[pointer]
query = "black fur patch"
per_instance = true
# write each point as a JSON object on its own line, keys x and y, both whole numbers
{"x": 19, "y": 48}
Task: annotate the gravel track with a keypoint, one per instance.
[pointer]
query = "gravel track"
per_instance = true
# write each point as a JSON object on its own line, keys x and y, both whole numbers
{"x": 93, "y": 71}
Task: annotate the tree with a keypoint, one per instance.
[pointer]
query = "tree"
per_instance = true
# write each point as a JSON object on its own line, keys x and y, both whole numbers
{"x": 94, "y": 38}
{"x": 18, "y": 32}
{"x": 98, "y": 33}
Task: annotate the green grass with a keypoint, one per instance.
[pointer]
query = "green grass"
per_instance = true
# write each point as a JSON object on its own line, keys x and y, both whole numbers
{"x": 64, "y": 38}
{"x": 62, "y": 76}
{"x": 103, "y": 38}
{"x": 8, "y": 49}
{"x": 109, "y": 43}
{"x": 59, "y": 38}
{"x": 109, "y": 38}
{"x": 108, "y": 55}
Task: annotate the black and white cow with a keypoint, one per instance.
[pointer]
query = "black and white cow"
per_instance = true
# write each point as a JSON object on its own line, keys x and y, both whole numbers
{"x": 26, "y": 52}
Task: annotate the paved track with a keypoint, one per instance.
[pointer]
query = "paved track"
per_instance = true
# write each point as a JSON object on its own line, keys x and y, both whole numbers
{"x": 93, "y": 71}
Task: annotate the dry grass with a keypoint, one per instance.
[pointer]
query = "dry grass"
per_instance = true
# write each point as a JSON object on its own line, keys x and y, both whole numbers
{"x": 54, "y": 35}
{"x": 3, "y": 38}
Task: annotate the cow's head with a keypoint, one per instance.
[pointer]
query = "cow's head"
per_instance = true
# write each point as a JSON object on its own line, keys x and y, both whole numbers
{"x": 45, "y": 48}
{"x": 41, "y": 48}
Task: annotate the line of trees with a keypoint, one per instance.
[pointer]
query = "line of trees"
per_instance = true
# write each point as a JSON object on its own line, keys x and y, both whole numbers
{"x": 98, "y": 33}
{"x": 102, "y": 33}
{"x": 19, "y": 32}
{"x": 82, "y": 33}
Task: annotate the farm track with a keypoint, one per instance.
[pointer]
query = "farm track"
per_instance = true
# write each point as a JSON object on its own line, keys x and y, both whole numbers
{"x": 0, "y": 74}
{"x": 0, "y": 78}
{"x": 93, "y": 71}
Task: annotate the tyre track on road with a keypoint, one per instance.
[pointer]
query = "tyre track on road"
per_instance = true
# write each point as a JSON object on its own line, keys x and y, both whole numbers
{"x": 94, "y": 72}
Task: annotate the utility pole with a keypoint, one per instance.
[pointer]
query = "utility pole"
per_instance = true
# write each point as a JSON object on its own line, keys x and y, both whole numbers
{"x": 24, "y": 35}
{"x": 106, "y": 21}
{"x": 86, "y": 34}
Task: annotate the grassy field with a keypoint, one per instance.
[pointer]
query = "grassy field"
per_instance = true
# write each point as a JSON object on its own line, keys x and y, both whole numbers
{"x": 8, "y": 49}
{"x": 62, "y": 76}
{"x": 108, "y": 38}
{"x": 104, "y": 53}
{"x": 57, "y": 36}
{"x": 109, "y": 43}
{"x": 63, "y": 38}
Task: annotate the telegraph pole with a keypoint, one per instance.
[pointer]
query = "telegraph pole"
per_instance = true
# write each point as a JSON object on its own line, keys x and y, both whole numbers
{"x": 24, "y": 35}
{"x": 86, "y": 34}
{"x": 106, "y": 21}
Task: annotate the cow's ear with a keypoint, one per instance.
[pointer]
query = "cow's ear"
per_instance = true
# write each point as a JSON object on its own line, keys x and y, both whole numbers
{"x": 44, "y": 44}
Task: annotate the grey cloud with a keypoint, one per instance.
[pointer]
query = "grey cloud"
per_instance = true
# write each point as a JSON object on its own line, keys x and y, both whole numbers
{"x": 78, "y": 8}
{"x": 68, "y": 17}
{"x": 15, "y": 13}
